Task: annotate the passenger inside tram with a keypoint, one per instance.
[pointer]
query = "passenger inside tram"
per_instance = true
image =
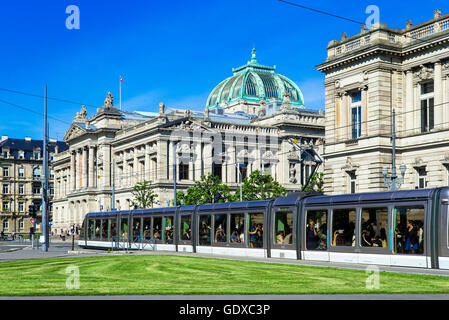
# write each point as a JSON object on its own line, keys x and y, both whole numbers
{"x": 316, "y": 230}
{"x": 409, "y": 230}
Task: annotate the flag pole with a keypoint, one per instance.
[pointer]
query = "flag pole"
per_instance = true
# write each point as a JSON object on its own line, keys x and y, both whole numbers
{"x": 120, "y": 93}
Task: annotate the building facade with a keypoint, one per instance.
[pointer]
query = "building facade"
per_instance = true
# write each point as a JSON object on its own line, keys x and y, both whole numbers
{"x": 369, "y": 75}
{"x": 111, "y": 151}
{"x": 20, "y": 179}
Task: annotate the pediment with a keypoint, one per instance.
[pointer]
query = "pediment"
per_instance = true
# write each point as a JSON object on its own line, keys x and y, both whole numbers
{"x": 191, "y": 125}
{"x": 74, "y": 131}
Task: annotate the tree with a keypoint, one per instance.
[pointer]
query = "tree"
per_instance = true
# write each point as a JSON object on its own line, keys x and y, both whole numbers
{"x": 260, "y": 186}
{"x": 209, "y": 190}
{"x": 316, "y": 183}
{"x": 144, "y": 195}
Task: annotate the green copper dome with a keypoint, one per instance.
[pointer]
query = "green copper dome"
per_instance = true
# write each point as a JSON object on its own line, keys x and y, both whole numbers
{"x": 253, "y": 82}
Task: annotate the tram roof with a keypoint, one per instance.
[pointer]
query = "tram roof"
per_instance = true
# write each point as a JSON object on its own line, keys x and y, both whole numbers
{"x": 374, "y": 196}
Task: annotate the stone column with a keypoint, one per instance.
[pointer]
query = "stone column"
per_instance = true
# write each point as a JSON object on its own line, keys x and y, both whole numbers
{"x": 170, "y": 162}
{"x": 438, "y": 94}
{"x": 73, "y": 171}
{"x": 107, "y": 178}
{"x": 409, "y": 102}
{"x": 136, "y": 172}
{"x": 364, "y": 111}
{"x": 207, "y": 158}
{"x": 417, "y": 110}
{"x": 91, "y": 170}
{"x": 85, "y": 167}
{"x": 162, "y": 160}
{"x": 344, "y": 124}
{"x": 148, "y": 165}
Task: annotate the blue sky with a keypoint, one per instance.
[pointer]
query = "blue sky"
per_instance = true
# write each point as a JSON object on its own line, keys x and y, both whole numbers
{"x": 171, "y": 51}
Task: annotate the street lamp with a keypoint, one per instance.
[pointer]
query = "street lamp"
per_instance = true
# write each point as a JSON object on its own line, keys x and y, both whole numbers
{"x": 395, "y": 182}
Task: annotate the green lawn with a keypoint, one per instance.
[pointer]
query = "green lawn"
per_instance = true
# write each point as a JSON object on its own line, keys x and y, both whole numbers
{"x": 168, "y": 275}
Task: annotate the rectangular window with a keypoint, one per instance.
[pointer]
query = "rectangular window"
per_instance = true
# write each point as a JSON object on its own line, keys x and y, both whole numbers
{"x": 36, "y": 189}
{"x": 36, "y": 155}
{"x": 168, "y": 229}
{"x": 186, "y": 228}
{"x": 21, "y": 189}
{"x": 220, "y": 228}
{"x": 427, "y": 106}
{"x": 5, "y": 172}
{"x": 205, "y": 230}
{"x": 343, "y": 227}
{"x": 91, "y": 230}
{"x": 243, "y": 167}
{"x": 21, "y": 172}
{"x": 316, "y": 230}
{"x": 104, "y": 229}
{"x": 422, "y": 178}
{"x": 113, "y": 233}
{"x": 21, "y": 224}
{"x": 373, "y": 227}
{"x": 283, "y": 227}
{"x": 157, "y": 228}
{"x": 356, "y": 114}
{"x": 124, "y": 229}
{"x": 136, "y": 229}
{"x": 352, "y": 182}
{"x": 5, "y": 225}
{"x": 5, "y": 189}
{"x": 183, "y": 171}
{"x": 217, "y": 169}
{"x": 408, "y": 226}
{"x": 21, "y": 206}
{"x": 98, "y": 229}
{"x": 255, "y": 232}
{"x": 238, "y": 228}
{"x": 147, "y": 229}
{"x": 5, "y": 206}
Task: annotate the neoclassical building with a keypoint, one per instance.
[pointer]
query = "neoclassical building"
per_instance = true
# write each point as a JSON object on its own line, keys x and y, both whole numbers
{"x": 369, "y": 75}
{"x": 245, "y": 126}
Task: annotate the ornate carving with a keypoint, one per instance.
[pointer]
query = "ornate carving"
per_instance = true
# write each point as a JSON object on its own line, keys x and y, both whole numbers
{"x": 425, "y": 73}
{"x": 81, "y": 116}
{"x": 292, "y": 173}
{"x": 350, "y": 165}
{"x": 161, "y": 108}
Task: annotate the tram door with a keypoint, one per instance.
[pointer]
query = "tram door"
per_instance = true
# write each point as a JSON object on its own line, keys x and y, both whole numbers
{"x": 316, "y": 235}
{"x": 136, "y": 238}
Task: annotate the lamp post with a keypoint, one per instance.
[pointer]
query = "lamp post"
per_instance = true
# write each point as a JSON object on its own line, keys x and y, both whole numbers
{"x": 395, "y": 182}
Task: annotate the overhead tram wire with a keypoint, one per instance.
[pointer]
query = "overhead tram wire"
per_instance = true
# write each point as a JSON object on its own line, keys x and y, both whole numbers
{"x": 49, "y": 98}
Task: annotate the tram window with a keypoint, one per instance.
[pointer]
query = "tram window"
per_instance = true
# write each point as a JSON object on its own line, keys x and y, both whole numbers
{"x": 220, "y": 228}
{"x": 186, "y": 231}
{"x": 316, "y": 230}
{"x": 124, "y": 229}
{"x": 283, "y": 227}
{"x": 91, "y": 229}
{"x": 373, "y": 226}
{"x": 113, "y": 229}
{"x": 255, "y": 225}
{"x": 81, "y": 231}
{"x": 157, "y": 228}
{"x": 205, "y": 230}
{"x": 147, "y": 229}
{"x": 104, "y": 229}
{"x": 136, "y": 229}
{"x": 168, "y": 229}
{"x": 343, "y": 227}
{"x": 98, "y": 229}
{"x": 238, "y": 228}
{"x": 408, "y": 226}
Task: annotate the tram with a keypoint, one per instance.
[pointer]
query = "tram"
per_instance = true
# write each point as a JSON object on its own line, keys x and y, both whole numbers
{"x": 401, "y": 228}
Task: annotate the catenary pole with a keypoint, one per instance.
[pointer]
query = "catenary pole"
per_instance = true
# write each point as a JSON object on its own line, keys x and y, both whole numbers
{"x": 45, "y": 216}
